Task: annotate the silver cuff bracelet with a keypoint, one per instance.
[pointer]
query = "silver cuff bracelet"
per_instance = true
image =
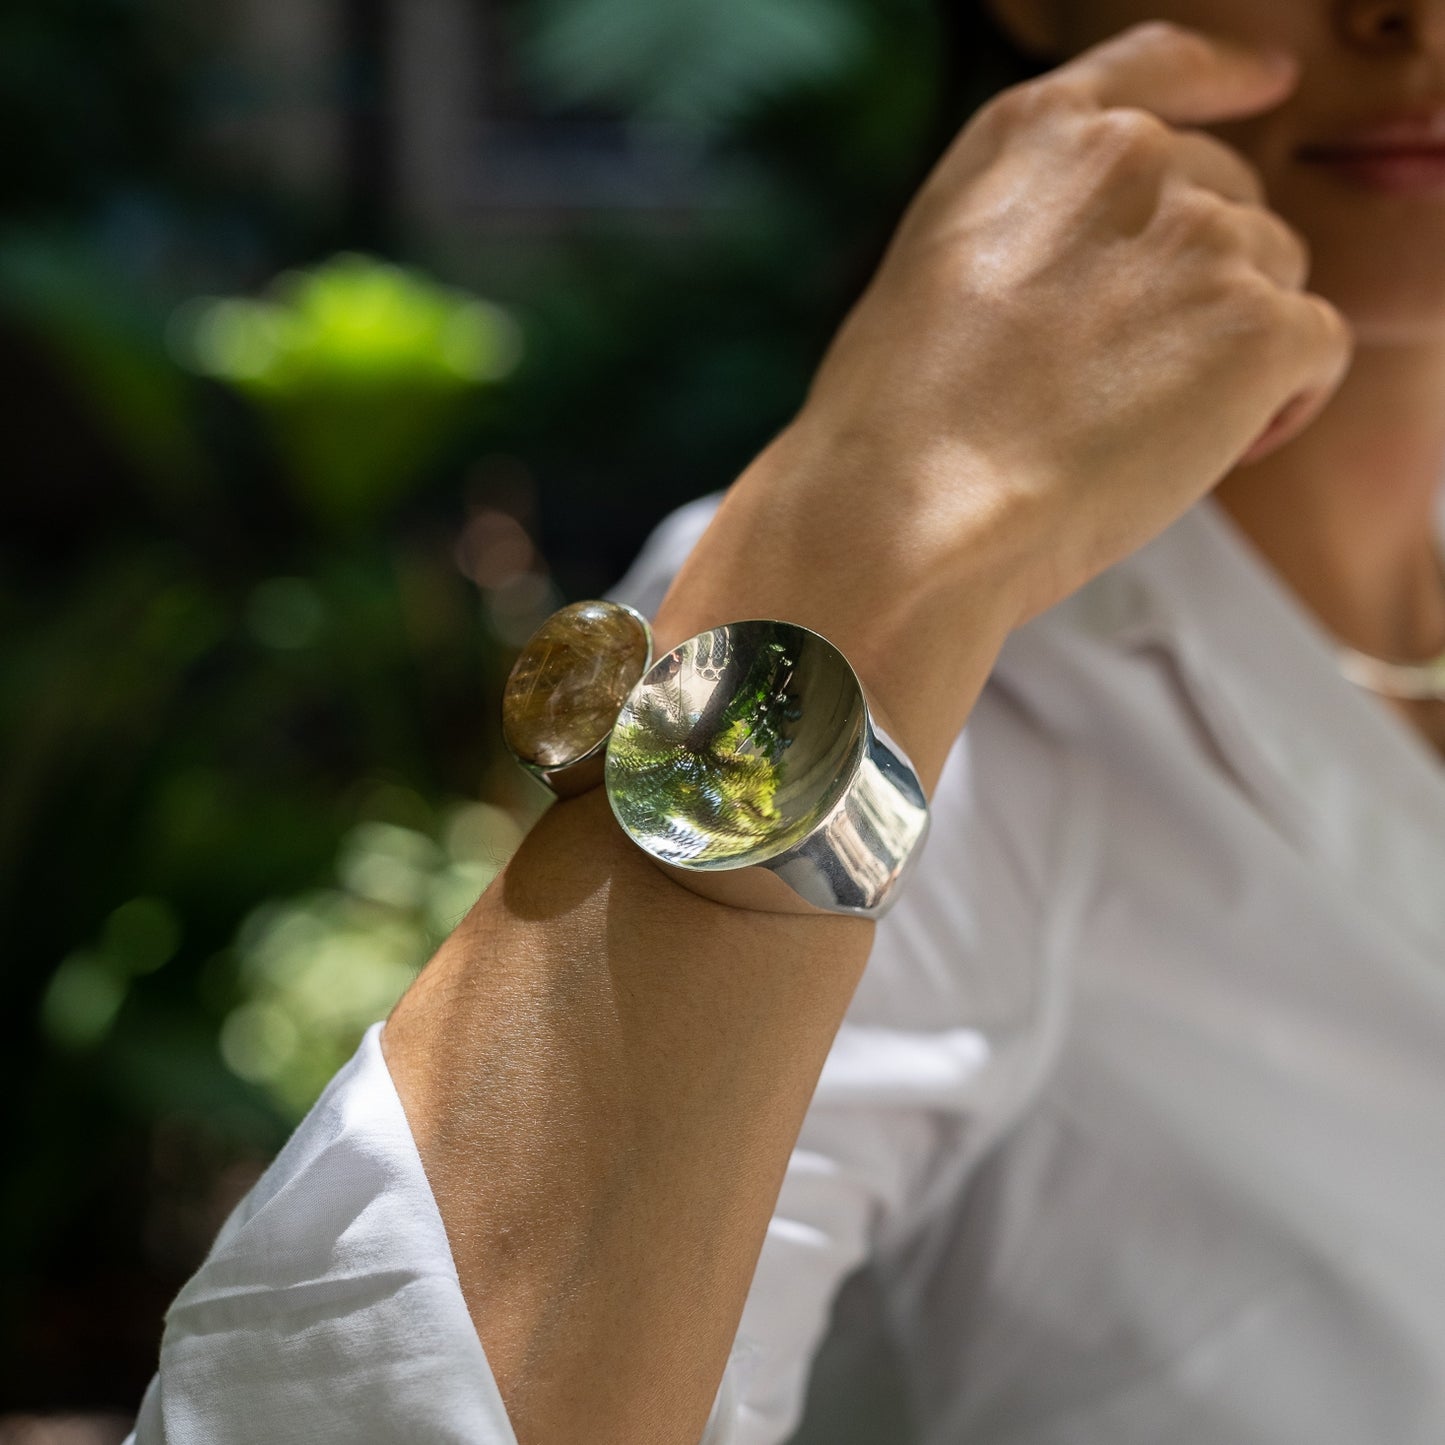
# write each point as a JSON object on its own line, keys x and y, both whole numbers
{"x": 747, "y": 764}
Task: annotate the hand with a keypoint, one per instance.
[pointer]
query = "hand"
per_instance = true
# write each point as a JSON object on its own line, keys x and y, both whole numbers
{"x": 1097, "y": 302}
{"x": 1085, "y": 319}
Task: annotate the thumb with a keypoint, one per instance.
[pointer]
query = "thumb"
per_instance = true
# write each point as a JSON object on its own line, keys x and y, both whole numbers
{"x": 1183, "y": 76}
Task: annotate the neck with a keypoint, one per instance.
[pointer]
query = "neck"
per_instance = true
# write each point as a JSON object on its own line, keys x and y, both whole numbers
{"x": 1345, "y": 512}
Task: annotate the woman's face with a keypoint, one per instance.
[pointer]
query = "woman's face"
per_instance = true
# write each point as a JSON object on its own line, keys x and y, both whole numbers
{"x": 1355, "y": 158}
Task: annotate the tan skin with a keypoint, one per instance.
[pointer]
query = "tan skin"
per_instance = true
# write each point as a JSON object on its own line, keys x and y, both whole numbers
{"x": 604, "y": 1073}
{"x": 1344, "y": 513}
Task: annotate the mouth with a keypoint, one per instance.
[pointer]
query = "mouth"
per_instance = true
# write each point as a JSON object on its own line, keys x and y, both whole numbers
{"x": 1401, "y": 154}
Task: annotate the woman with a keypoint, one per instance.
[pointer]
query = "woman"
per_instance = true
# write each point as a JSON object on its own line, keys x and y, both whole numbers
{"x": 1134, "y": 1114}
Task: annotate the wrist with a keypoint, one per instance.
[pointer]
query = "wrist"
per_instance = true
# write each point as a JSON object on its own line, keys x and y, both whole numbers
{"x": 914, "y": 569}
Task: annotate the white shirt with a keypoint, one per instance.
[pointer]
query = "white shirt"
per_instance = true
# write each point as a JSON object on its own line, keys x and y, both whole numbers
{"x": 1135, "y": 1131}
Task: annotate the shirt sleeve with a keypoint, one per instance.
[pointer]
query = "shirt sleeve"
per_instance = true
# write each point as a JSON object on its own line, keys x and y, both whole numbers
{"x": 329, "y": 1308}
{"x": 947, "y": 1042}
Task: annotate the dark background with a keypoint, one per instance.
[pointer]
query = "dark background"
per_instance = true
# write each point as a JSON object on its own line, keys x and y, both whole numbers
{"x": 340, "y": 340}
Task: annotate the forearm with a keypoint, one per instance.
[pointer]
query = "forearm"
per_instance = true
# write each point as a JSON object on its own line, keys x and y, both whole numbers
{"x": 606, "y": 1074}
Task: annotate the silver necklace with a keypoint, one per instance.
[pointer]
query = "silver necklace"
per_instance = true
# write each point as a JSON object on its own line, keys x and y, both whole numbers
{"x": 1406, "y": 681}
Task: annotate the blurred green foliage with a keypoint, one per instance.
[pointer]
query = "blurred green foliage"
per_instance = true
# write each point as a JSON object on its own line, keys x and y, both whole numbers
{"x": 361, "y": 369}
{"x": 273, "y": 524}
{"x": 702, "y": 65}
{"x": 316, "y": 969}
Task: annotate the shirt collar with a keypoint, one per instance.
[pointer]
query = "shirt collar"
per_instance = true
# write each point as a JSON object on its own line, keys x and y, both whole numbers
{"x": 1350, "y": 784}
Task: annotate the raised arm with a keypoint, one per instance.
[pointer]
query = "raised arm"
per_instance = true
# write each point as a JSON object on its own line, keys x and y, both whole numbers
{"x": 1085, "y": 319}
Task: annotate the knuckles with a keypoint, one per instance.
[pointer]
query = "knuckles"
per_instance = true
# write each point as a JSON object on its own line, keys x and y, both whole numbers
{"x": 1124, "y": 139}
{"x": 1252, "y": 176}
{"x": 1337, "y": 335}
{"x": 1128, "y": 141}
{"x": 1035, "y": 102}
{"x": 1255, "y": 307}
{"x": 1295, "y": 245}
{"x": 1273, "y": 328}
{"x": 1203, "y": 220}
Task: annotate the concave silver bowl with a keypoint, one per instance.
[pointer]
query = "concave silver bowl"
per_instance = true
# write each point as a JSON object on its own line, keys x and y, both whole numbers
{"x": 746, "y": 762}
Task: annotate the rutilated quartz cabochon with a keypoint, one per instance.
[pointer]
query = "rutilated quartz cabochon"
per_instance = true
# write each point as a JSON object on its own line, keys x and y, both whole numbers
{"x": 567, "y": 686}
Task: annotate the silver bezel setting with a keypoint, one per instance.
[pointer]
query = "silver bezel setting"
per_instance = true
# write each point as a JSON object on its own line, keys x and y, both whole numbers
{"x": 586, "y": 771}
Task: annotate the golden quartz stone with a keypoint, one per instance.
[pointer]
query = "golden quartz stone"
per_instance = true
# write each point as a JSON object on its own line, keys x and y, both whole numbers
{"x": 570, "y": 682}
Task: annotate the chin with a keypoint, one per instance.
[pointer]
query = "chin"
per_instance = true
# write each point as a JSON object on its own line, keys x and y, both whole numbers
{"x": 1387, "y": 311}
{"x": 1401, "y": 331}
{"x": 1380, "y": 260}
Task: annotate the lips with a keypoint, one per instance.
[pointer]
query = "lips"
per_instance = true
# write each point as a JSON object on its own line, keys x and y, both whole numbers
{"x": 1398, "y": 154}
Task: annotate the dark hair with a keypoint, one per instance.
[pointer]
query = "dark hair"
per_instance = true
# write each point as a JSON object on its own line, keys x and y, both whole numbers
{"x": 980, "y": 59}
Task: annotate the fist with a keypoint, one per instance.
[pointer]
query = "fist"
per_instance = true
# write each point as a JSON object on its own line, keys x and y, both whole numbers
{"x": 1089, "y": 304}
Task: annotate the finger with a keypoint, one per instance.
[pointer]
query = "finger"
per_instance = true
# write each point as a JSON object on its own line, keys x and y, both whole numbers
{"x": 1288, "y": 423}
{"x": 1212, "y": 223}
{"x": 1274, "y": 247}
{"x": 1323, "y": 350}
{"x": 1323, "y": 342}
{"x": 1183, "y": 76}
{"x": 1218, "y": 167}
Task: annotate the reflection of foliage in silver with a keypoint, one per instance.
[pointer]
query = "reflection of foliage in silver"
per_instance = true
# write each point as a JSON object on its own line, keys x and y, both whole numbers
{"x": 710, "y": 780}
